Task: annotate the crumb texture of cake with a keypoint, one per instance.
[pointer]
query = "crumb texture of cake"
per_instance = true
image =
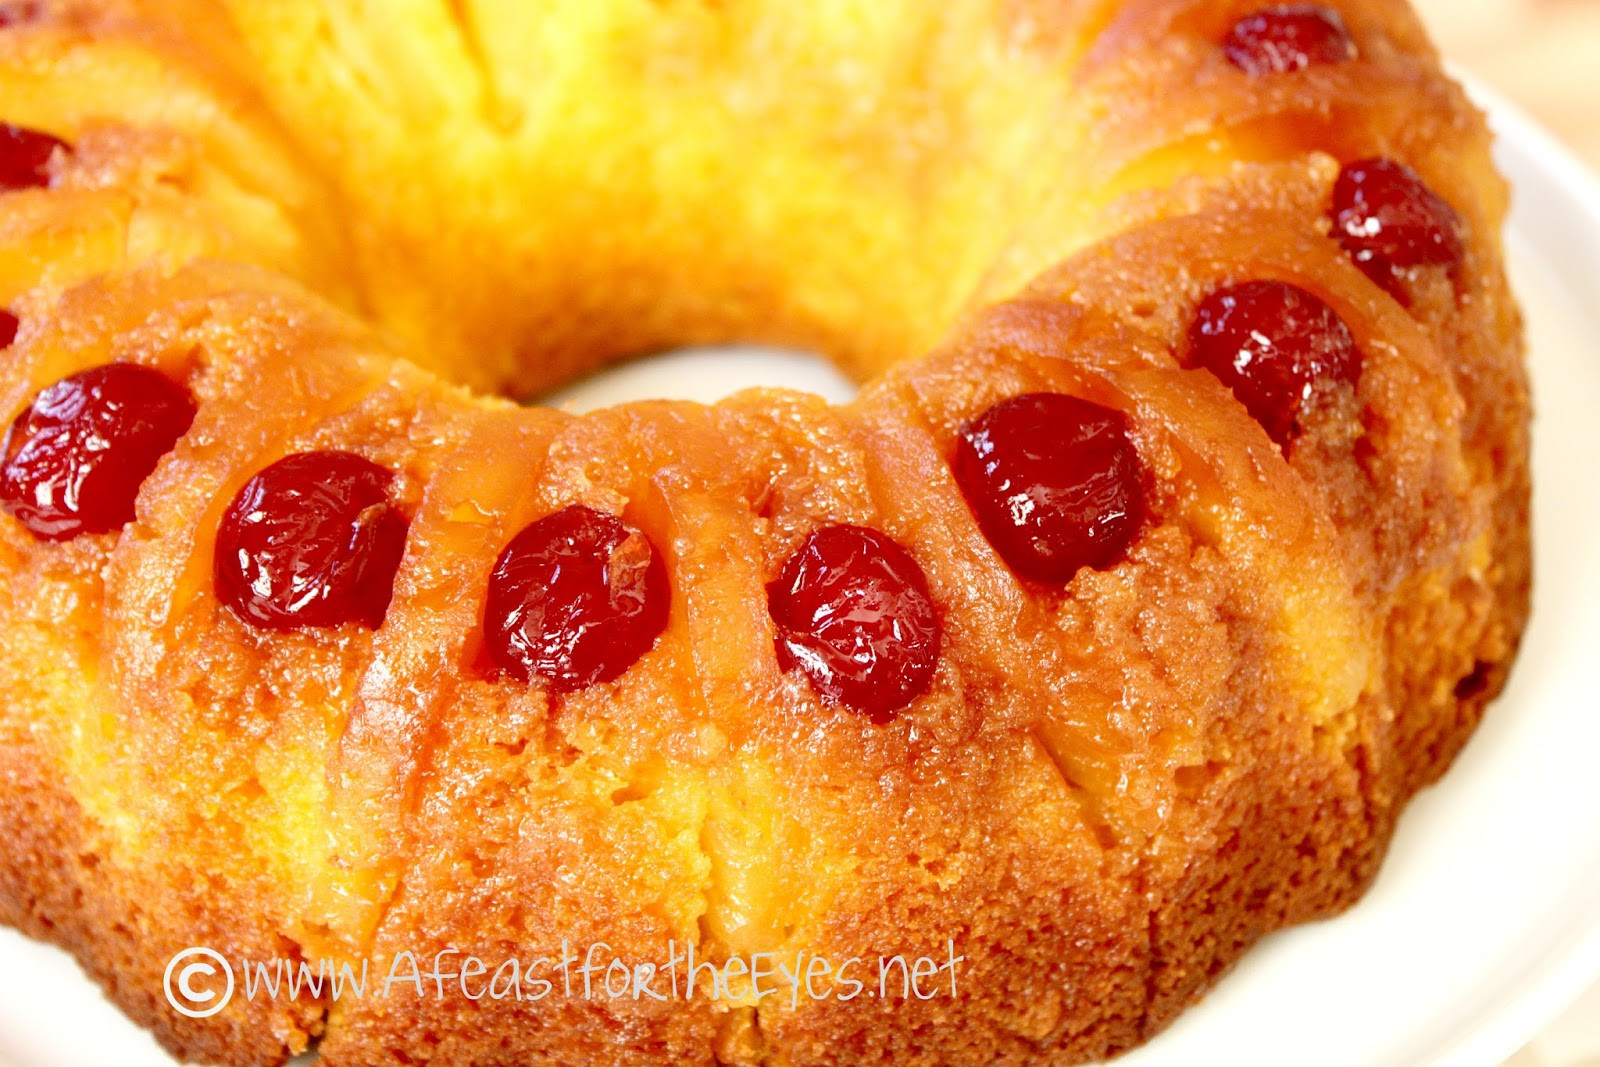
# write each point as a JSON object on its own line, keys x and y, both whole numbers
{"x": 1177, "y": 536}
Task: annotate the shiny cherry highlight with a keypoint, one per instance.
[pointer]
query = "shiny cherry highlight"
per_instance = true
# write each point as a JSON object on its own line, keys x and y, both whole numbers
{"x": 1273, "y": 344}
{"x": 75, "y": 459}
{"x": 854, "y": 615}
{"x": 311, "y": 541}
{"x": 1388, "y": 221}
{"x": 1054, "y": 483}
{"x": 575, "y": 599}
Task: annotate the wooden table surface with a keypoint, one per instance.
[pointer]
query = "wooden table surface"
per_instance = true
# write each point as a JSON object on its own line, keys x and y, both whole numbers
{"x": 1545, "y": 56}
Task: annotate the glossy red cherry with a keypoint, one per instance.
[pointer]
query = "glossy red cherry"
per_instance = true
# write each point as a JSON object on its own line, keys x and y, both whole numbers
{"x": 1273, "y": 344}
{"x": 854, "y": 614}
{"x": 9, "y": 325}
{"x": 1054, "y": 482}
{"x": 575, "y": 599}
{"x": 311, "y": 541}
{"x": 1292, "y": 37}
{"x": 25, "y": 157}
{"x": 1388, "y": 221}
{"x": 75, "y": 459}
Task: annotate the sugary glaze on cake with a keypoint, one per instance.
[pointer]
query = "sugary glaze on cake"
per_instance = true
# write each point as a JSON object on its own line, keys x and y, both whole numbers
{"x": 315, "y": 217}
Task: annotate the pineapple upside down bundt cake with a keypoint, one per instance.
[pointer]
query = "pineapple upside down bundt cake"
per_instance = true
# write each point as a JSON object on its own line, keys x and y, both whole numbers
{"x": 1177, "y": 536}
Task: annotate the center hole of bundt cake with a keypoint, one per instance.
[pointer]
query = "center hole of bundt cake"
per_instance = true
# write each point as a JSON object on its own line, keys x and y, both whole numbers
{"x": 705, "y": 374}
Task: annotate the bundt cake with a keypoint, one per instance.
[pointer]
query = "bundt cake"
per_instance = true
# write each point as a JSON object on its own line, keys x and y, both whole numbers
{"x": 1177, "y": 536}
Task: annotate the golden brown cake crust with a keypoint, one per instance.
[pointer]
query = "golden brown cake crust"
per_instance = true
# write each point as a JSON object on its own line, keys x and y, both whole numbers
{"x": 1109, "y": 791}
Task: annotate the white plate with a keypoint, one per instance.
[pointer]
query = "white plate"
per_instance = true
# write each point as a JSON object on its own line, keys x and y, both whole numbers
{"x": 1485, "y": 921}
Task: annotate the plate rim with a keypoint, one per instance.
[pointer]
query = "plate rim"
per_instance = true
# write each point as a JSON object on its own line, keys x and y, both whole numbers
{"x": 1563, "y": 979}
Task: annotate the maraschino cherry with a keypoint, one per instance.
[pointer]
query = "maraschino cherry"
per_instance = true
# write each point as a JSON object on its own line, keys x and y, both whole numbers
{"x": 311, "y": 541}
{"x": 25, "y": 157}
{"x": 75, "y": 459}
{"x": 20, "y": 12}
{"x": 1054, "y": 482}
{"x": 1291, "y": 37}
{"x": 1388, "y": 221}
{"x": 575, "y": 599}
{"x": 854, "y": 615}
{"x": 1273, "y": 344}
